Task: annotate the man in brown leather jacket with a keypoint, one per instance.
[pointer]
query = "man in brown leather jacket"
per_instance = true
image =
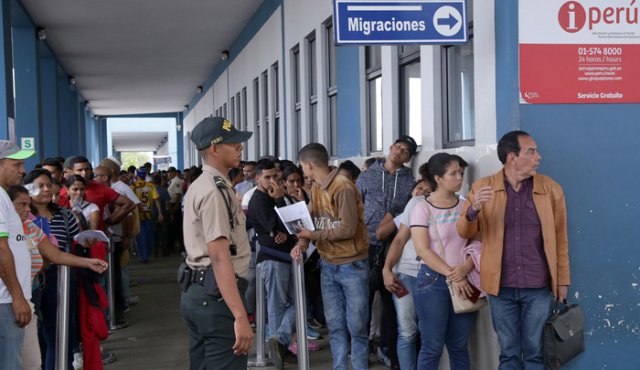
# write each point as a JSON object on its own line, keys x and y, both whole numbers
{"x": 522, "y": 218}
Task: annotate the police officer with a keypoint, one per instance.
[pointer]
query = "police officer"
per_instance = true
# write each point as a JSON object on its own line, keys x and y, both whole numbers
{"x": 213, "y": 275}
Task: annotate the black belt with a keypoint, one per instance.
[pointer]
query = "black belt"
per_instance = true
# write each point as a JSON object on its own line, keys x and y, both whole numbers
{"x": 205, "y": 278}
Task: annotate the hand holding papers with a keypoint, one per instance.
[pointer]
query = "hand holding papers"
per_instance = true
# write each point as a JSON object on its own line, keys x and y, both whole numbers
{"x": 295, "y": 217}
{"x": 88, "y": 237}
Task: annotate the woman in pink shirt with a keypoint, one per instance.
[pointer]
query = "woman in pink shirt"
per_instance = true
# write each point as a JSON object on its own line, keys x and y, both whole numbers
{"x": 444, "y": 256}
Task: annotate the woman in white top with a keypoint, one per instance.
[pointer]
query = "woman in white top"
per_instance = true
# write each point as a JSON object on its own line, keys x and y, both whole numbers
{"x": 452, "y": 259}
{"x": 87, "y": 214}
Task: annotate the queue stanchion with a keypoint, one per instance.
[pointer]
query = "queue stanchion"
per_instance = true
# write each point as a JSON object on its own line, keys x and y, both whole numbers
{"x": 301, "y": 314}
{"x": 110, "y": 287}
{"x": 62, "y": 314}
{"x": 259, "y": 360}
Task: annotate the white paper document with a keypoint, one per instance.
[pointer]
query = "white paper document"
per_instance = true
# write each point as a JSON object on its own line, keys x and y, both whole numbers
{"x": 295, "y": 215}
{"x": 91, "y": 234}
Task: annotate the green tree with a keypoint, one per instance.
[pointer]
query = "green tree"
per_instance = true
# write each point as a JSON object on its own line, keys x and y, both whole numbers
{"x": 136, "y": 159}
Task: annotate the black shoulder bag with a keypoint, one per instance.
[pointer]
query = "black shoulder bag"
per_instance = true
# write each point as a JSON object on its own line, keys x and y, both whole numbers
{"x": 563, "y": 336}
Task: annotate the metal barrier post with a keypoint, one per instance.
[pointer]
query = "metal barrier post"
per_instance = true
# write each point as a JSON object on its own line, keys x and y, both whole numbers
{"x": 301, "y": 314}
{"x": 260, "y": 360}
{"x": 62, "y": 322}
{"x": 110, "y": 287}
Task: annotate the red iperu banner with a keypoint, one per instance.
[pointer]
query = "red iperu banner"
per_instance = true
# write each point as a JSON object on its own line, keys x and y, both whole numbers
{"x": 584, "y": 51}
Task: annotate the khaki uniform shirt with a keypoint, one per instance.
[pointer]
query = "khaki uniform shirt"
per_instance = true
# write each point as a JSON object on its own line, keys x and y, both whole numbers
{"x": 206, "y": 219}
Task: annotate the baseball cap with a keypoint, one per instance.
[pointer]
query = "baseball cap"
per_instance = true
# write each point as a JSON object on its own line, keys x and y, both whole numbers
{"x": 413, "y": 147}
{"x": 217, "y": 130}
{"x": 141, "y": 172}
{"x": 111, "y": 163}
{"x": 9, "y": 150}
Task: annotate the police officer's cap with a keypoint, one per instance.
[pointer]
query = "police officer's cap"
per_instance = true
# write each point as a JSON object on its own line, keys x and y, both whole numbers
{"x": 217, "y": 130}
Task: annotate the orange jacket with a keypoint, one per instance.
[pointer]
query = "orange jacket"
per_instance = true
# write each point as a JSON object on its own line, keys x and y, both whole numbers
{"x": 548, "y": 198}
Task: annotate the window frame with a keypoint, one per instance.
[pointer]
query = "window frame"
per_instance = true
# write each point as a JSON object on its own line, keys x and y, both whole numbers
{"x": 446, "y": 103}
{"x": 372, "y": 73}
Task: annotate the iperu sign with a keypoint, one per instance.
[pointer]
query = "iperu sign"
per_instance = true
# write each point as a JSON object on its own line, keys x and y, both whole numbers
{"x": 579, "y": 51}
{"x": 400, "y": 22}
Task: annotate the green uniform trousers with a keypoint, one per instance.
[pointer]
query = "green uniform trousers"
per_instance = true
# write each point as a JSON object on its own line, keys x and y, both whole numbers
{"x": 211, "y": 332}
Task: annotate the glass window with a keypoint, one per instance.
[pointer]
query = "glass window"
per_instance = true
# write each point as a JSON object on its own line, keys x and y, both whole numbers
{"x": 313, "y": 85}
{"x": 332, "y": 90}
{"x": 244, "y": 108}
{"x": 265, "y": 105}
{"x": 256, "y": 115}
{"x": 276, "y": 109}
{"x": 375, "y": 114}
{"x": 410, "y": 100}
{"x": 373, "y": 73}
{"x": 297, "y": 104}
{"x": 458, "y": 101}
{"x": 331, "y": 55}
{"x": 232, "y": 111}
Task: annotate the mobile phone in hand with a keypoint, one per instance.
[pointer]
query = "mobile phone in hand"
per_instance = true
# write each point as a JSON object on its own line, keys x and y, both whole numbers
{"x": 475, "y": 294}
{"x": 403, "y": 291}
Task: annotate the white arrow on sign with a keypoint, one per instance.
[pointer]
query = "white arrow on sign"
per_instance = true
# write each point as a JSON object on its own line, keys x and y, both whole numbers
{"x": 446, "y": 20}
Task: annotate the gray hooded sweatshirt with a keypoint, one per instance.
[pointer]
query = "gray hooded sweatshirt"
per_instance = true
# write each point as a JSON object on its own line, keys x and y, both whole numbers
{"x": 383, "y": 192}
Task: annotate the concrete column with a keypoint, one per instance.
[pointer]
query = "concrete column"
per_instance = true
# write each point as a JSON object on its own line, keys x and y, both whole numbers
{"x": 6, "y": 79}
{"x": 180, "y": 141}
{"x": 64, "y": 125}
{"x": 49, "y": 108}
{"x": 27, "y": 107}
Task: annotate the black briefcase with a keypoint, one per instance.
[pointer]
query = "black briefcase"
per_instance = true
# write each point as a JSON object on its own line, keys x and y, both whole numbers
{"x": 563, "y": 335}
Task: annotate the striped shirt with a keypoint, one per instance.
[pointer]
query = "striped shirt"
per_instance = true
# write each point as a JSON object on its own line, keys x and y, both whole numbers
{"x": 34, "y": 236}
{"x": 60, "y": 232}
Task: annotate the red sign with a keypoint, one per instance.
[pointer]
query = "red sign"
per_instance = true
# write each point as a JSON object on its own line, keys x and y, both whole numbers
{"x": 579, "y": 51}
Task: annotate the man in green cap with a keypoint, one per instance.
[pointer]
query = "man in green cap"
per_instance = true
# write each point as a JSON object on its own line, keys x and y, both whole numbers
{"x": 213, "y": 275}
{"x": 15, "y": 260}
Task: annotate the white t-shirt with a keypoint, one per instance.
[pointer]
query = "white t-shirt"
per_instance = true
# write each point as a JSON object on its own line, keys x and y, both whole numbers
{"x": 175, "y": 188}
{"x": 247, "y": 197}
{"x": 408, "y": 263}
{"x": 88, "y": 209}
{"x": 122, "y": 189}
{"x": 11, "y": 228}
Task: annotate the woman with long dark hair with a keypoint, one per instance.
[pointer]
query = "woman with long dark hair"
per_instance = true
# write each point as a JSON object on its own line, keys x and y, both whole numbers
{"x": 446, "y": 258}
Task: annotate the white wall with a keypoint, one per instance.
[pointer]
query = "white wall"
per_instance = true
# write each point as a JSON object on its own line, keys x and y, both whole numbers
{"x": 302, "y": 17}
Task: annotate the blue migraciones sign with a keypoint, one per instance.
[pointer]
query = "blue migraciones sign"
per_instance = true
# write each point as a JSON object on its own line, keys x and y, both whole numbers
{"x": 400, "y": 22}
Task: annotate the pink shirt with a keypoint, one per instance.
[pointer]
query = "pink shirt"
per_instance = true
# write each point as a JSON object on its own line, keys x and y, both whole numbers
{"x": 456, "y": 248}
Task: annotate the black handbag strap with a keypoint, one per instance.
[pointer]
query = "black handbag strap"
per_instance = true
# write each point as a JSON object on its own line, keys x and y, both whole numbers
{"x": 65, "y": 215}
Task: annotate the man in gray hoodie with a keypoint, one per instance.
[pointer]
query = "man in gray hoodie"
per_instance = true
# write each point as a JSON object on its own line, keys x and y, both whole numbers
{"x": 385, "y": 187}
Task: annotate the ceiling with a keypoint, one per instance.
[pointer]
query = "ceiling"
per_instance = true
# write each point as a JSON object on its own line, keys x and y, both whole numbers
{"x": 138, "y": 141}
{"x": 137, "y": 56}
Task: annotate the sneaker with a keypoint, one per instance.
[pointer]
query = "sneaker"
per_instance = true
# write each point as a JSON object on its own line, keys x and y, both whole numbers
{"x": 312, "y": 334}
{"x": 108, "y": 358}
{"x": 276, "y": 353}
{"x": 382, "y": 358}
{"x": 315, "y": 324}
{"x": 133, "y": 300}
{"x": 311, "y": 346}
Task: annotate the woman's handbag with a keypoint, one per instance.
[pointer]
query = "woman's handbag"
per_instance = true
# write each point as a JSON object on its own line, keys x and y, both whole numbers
{"x": 563, "y": 336}
{"x": 460, "y": 304}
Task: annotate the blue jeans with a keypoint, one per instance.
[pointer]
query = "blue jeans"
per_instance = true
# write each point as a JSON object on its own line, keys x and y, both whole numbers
{"x": 345, "y": 294}
{"x": 407, "y": 324}
{"x": 439, "y": 325}
{"x": 518, "y": 318}
{"x": 11, "y": 340}
{"x": 145, "y": 240}
{"x": 281, "y": 309}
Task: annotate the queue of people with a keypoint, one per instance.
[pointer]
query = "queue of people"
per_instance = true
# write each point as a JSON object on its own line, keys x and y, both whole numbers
{"x": 386, "y": 256}
{"x": 43, "y": 211}
{"x": 386, "y": 246}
